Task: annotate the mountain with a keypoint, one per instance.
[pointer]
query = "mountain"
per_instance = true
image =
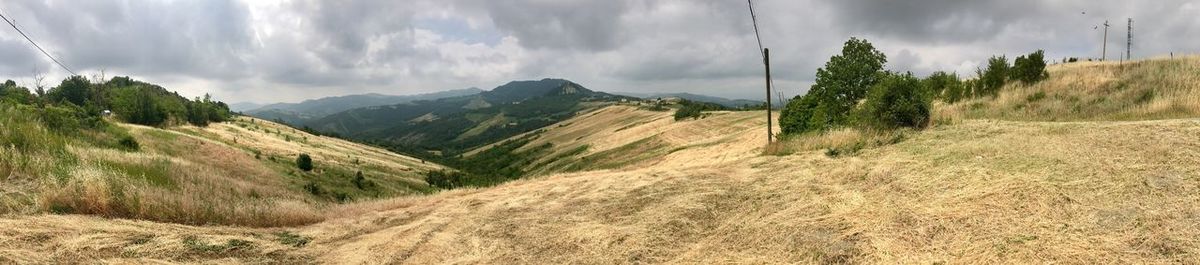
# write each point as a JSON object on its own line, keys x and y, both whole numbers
{"x": 452, "y": 125}
{"x": 732, "y": 103}
{"x": 244, "y": 106}
{"x": 299, "y": 113}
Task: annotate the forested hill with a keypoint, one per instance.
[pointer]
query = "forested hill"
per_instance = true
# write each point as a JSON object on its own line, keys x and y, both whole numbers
{"x": 128, "y": 100}
{"x": 300, "y": 113}
{"x": 452, "y": 125}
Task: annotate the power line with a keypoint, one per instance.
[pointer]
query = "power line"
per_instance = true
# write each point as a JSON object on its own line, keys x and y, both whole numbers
{"x": 39, "y": 47}
{"x": 766, "y": 55}
{"x": 754, "y": 19}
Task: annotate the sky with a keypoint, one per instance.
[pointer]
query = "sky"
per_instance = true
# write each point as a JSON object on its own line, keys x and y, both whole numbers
{"x": 270, "y": 51}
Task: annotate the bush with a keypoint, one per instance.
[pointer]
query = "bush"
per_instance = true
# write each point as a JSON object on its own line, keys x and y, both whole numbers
{"x": 945, "y": 86}
{"x": 361, "y": 181}
{"x": 314, "y": 189}
{"x": 839, "y": 86}
{"x": 304, "y": 162}
{"x": 129, "y": 143}
{"x": 898, "y": 101}
{"x": 446, "y": 179}
{"x": 1030, "y": 69}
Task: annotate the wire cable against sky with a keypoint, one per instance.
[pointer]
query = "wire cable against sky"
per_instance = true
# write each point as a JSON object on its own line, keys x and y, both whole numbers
{"x": 754, "y": 19}
{"x": 39, "y": 47}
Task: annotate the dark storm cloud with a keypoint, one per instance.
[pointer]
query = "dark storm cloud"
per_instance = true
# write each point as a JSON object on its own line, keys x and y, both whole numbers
{"x": 569, "y": 24}
{"x": 935, "y": 20}
{"x": 286, "y": 50}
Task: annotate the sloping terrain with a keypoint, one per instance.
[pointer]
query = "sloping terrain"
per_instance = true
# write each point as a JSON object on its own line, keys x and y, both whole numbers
{"x": 463, "y": 123}
{"x": 964, "y": 191}
{"x": 303, "y": 112}
{"x": 241, "y": 172}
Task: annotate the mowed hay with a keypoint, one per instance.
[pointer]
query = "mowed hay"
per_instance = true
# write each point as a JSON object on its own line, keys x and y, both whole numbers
{"x": 977, "y": 192}
{"x": 972, "y": 192}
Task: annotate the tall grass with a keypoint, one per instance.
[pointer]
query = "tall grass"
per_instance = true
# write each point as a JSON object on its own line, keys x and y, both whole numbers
{"x": 89, "y": 172}
{"x": 838, "y": 142}
{"x": 1092, "y": 91}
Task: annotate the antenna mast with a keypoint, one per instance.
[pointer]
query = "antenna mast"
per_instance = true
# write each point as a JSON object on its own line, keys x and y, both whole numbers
{"x": 1129, "y": 41}
{"x": 1104, "y": 45}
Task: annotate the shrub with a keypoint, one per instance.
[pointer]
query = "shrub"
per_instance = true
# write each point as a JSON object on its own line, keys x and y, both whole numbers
{"x": 446, "y": 179}
{"x": 839, "y": 86}
{"x": 898, "y": 101}
{"x": 797, "y": 115}
{"x": 945, "y": 86}
{"x": 314, "y": 189}
{"x": 129, "y": 143}
{"x": 361, "y": 181}
{"x": 304, "y": 162}
{"x": 1031, "y": 68}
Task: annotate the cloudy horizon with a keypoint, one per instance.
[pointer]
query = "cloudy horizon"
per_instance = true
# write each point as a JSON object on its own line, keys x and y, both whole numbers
{"x": 291, "y": 50}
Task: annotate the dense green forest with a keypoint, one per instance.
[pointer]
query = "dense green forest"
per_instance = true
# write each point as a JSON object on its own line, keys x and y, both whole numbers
{"x": 126, "y": 99}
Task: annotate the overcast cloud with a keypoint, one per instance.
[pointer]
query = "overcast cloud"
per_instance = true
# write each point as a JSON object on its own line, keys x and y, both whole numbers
{"x": 279, "y": 50}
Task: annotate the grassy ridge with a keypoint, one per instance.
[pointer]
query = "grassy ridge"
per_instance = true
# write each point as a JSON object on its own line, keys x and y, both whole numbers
{"x": 1094, "y": 91}
{"x": 221, "y": 174}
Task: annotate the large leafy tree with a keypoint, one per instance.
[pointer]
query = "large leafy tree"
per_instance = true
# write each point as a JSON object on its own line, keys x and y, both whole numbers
{"x": 839, "y": 86}
{"x": 74, "y": 89}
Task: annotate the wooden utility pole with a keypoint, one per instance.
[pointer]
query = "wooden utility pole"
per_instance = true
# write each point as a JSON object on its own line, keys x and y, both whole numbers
{"x": 1104, "y": 45}
{"x": 767, "y": 64}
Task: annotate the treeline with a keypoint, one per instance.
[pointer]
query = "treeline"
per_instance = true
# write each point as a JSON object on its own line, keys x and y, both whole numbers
{"x": 854, "y": 89}
{"x": 129, "y": 100}
{"x": 695, "y": 109}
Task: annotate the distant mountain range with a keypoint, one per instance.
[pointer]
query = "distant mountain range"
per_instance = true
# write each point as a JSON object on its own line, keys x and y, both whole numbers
{"x": 300, "y": 113}
{"x": 452, "y": 122}
{"x": 452, "y": 125}
{"x": 732, "y": 103}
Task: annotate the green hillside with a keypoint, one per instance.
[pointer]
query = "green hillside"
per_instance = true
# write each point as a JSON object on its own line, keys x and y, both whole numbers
{"x": 451, "y": 126}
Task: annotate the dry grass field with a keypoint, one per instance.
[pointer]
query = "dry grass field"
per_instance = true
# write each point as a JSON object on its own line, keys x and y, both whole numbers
{"x": 240, "y": 172}
{"x": 1105, "y": 186}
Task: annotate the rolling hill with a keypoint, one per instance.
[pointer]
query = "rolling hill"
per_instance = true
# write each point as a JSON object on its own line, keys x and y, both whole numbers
{"x": 240, "y": 172}
{"x": 989, "y": 182}
{"x": 452, "y": 125}
{"x": 300, "y": 113}
{"x": 729, "y": 103}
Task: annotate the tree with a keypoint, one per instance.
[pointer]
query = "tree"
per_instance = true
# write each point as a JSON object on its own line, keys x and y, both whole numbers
{"x": 898, "y": 101}
{"x": 74, "y": 89}
{"x": 304, "y": 162}
{"x": 839, "y": 86}
{"x": 994, "y": 77}
{"x": 1030, "y": 69}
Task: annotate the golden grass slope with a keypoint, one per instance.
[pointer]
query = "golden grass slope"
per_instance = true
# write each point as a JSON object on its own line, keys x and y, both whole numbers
{"x": 240, "y": 172}
{"x": 1095, "y": 91}
{"x": 969, "y": 191}
{"x": 974, "y": 192}
{"x": 627, "y": 137}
